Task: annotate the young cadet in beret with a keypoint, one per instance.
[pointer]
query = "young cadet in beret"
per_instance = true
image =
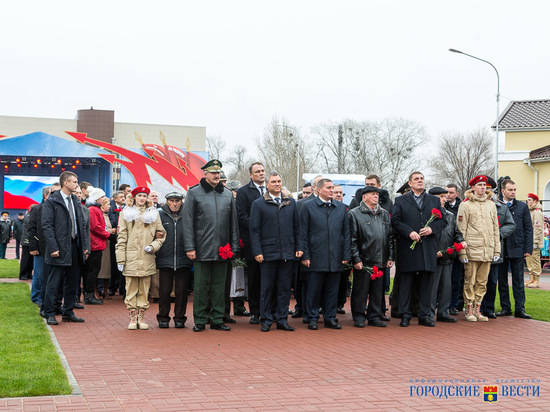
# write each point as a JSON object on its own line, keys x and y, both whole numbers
{"x": 477, "y": 221}
{"x": 533, "y": 261}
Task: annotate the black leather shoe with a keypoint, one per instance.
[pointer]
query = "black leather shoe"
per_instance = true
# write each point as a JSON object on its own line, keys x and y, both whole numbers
{"x": 504, "y": 313}
{"x": 490, "y": 315}
{"x": 312, "y": 325}
{"x": 359, "y": 323}
{"x": 178, "y": 324}
{"x": 71, "y": 317}
{"x": 91, "y": 300}
{"x": 340, "y": 311}
{"x": 285, "y": 326}
{"x": 265, "y": 327}
{"x": 305, "y": 320}
{"x": 227, "y": 319}
{"x": 404, "y": 322}
{"x": 164, "y": 324}
{"x": 377, "y": 323}
{"x": 446, "y": 319}
{"x": 51, "y": 321}
{"x": 242, "y": 313}
{"x": 78, "y": 306}
{"x": 198, "y": 327}
{"x": 453, "y": 311}
{"x": 426, "y": 322}
{"x": 332, "y": 324}
{"x": 43, "y": 314}
{"x": 298, "y": 314}
{"x": 254, "y": 320}
{"x": 386, "y": 318}
{"x": 220, "y": 326}
{"x": 522, "y": 315}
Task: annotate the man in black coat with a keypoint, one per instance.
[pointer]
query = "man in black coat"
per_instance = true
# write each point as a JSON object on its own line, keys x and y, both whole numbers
{"x": 371, "y": 247}
{"x": 5, "y": 233}
{"x": 374, "y": 181}
{"x": 326, "y": 241}
{"x": 116, "y": 282}
{"x": 173, "y": 264}
{"x": 275, "y": 245}
{"x": 18, "y": 232}
{"x": 67, "y": 246}
{"x": 457, "y": 299}
{"x": 245, "y": 196}
{"x": 516, "y": 248}
{"x": 446, "y": 241}
{"x": 410, "y": 214}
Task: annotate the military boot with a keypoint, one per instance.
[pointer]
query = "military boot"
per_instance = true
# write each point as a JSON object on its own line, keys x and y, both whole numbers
{"x": 479, "y": 316}
{"x": 469, "y": 313}
{"x": 133, "y": 320}
{"x": 536, "y": 282}
{"x": 141, "y": 323}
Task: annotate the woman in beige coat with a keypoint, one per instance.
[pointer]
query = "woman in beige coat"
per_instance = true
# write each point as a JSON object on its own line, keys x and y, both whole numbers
{"x": 533, "y": 260}
{"x": 478, "y": 222}
{"x": 140, "y": 236}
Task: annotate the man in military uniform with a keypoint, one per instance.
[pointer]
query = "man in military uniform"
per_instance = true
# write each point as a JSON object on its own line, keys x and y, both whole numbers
{"x": 210, "y": 222}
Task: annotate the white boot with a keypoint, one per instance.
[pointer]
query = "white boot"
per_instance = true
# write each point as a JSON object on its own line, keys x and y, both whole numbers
{"x": 479, "y": 316}
{"x": 140, "y": 321}
{"x": 469, "y": 313}
{"x": 133, "y": 320}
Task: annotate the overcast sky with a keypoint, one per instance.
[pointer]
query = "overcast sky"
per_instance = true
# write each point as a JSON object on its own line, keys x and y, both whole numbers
{"x": 232, "y": 65}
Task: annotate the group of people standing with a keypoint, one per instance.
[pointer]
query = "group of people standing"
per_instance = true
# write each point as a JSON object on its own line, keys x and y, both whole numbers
{"x": 448, "y": 254}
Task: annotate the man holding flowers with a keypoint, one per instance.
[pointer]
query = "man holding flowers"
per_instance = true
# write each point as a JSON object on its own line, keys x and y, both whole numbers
{"x": 210, "y": 239}
{"x": 416, "y": 217}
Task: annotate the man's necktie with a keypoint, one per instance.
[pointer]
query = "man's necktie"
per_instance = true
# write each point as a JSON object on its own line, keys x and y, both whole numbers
{"x": 262, "y": 188}
{"x": 278, "y": 200}
{"x": 71, "y": 214}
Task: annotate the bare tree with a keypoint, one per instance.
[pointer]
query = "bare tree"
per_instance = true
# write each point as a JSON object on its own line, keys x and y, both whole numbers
{"x": 238, "y": 162}
{"x": 387, "y": 148}
{"x": 461, "y": 156}
{"x": 280, "y": 148}
{"x": 215, "y": 146}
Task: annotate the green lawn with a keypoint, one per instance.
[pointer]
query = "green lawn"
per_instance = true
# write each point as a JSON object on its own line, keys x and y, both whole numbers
{"x": 29, "y": 364}
{"x": 9, "y": 268}
{"x": 537, "y": 302}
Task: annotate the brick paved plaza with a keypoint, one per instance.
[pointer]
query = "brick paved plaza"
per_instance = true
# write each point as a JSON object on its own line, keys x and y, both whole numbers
{"x": 350, "y": 369}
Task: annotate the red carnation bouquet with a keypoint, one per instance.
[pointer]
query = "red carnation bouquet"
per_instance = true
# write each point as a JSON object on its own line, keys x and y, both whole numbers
{"x": 375, "y": 273}
{"x": 436, "y": 214}
{"x": 225, "y": 252}
{"x": 457, "y": 247}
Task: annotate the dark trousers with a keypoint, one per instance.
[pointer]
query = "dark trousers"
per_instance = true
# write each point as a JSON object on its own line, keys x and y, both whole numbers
{"x": 516, "y": 267}
{"x": 209, "y": 292}
{"x": 180, "y": 279}
{"x": 94, "y": 265}
{"x": 322, "y": 288}
{"x": 442, "y": 290}
{"x": 26, "y": 264}
{"x": 116, "y": 282}
{"x": 364, "y": 287}
{"x": 343, "y": 288}
{"x": 300, "y": 288}
{"x": 3, "y": 247}
{"x": 406, "y": 286}
{"x": 457, "y": 278}
{"x": 45, "y": 278}
{"x": 66, "y": 277}
{"x": 17, "y": 248}
{"x": 488, "y": 302}
{"x": 385, "y": 288}
{"x": 252, "y": 272}
{"x": 276, "y": 280}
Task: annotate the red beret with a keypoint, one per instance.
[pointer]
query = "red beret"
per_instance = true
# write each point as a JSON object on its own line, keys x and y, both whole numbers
{"x": 533, "y": 196}
{"x": 140, "y": 190}
{"x": 478, "y": 179}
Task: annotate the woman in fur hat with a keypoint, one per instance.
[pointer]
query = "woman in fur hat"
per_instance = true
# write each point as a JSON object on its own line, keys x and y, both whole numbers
{"x": 140, "y": 236}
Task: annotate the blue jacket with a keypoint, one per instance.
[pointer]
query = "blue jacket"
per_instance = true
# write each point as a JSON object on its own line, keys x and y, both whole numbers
{"x": 274, "y": 229}
{"x": 521, "y": 240}
{"x": 325, "y": 235}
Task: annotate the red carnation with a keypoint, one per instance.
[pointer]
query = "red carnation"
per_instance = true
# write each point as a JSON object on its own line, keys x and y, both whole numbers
{"x": 241, "y": 243}
{"x": 450, "y": 251}
{"x": 458, "y": 246}
{"x": 225, "y": 252}
{"x": 376, "y": 273}
{"x": 437, "y": 213}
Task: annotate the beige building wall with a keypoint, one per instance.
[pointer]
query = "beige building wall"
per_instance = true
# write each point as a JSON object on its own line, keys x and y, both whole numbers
{"x": 17, "y": 126}
{"x": 526, "y": 140}
{"x": 181, "y": 136}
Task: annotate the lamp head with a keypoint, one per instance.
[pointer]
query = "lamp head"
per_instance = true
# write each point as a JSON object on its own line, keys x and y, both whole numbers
{"x": 455, "y": 51}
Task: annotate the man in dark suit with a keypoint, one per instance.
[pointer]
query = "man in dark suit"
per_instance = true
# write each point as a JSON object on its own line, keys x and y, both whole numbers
{"x": 457, "y": 299}
{"x": 67, "y": 247}
{"x": 275, "y": 243}
{"x": 410, "y": 214}
{"x": 516, "y": 247}
{"x": 116, "y": 282}
{"x": 245, "y": 196}
{"x": 326, "y": 241}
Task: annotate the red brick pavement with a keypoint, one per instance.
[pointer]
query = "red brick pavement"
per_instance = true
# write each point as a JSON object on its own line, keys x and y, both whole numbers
{"x": 350, "y": 369}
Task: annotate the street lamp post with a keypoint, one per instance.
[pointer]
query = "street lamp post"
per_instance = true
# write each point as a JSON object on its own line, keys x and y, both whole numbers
{"x": 284, "y": 126}
{"x": 498, "y": 102}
